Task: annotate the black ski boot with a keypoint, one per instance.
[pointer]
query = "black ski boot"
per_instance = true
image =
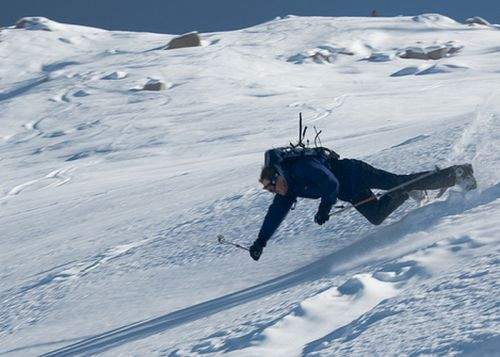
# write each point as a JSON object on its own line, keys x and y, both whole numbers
{"x": 465, "y": 177}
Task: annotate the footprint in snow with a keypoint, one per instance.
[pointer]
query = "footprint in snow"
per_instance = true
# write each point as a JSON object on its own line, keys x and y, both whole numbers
{"x": 53, "y": 179}
{"x": 465, "y": 241}
{"x": 398, "y": 272}
{"x": 54, "y": 134}
{"x": 80, "y": 269}
{"x": 81, "y": 93}
{"x": 66, "y": 97}
{"x": 351, "y": 287}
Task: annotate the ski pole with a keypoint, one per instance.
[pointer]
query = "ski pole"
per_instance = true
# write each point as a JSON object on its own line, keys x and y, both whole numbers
{"x": 369, "y": 199}
{"x": 222, "y": 240}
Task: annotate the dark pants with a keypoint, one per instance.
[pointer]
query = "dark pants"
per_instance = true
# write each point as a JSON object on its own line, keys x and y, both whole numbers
{"x": 357, "y": 178}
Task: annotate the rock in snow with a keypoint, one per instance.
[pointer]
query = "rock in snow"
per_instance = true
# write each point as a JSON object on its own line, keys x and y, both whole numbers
{"x": 430, "y": 53}
{"x": 154, "y": 85}
{"x": 321, "y": 54}
{"x": 191, "y": 39}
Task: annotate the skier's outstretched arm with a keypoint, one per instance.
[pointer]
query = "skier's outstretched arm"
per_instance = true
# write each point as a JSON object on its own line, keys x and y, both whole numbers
{"x": 275, "y": 215}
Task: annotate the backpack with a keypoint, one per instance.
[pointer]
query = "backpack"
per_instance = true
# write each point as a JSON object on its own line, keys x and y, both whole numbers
{"x": 278, "y": 158}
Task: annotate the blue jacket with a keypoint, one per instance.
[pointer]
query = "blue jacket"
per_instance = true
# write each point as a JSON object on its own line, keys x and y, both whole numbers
{"x": 307, "y": 178}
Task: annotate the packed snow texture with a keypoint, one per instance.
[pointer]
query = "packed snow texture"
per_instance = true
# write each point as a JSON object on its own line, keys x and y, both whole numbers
{"x": 112, "y": 196}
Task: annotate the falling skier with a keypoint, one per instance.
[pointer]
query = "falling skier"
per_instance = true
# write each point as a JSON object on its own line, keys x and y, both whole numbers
{"x": 318, "y": 173}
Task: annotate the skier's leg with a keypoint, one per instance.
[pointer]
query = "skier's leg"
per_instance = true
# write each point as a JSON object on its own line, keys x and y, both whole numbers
{"x": 462, "y": 175}
{"x": 377, "y": 210}
{"x": 440, "y": 179}
{"x": 375, "y": 178}
{"x": 371, "y": 177}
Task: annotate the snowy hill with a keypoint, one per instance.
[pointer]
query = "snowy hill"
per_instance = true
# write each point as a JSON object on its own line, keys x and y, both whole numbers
{"x": 112, "y": 196}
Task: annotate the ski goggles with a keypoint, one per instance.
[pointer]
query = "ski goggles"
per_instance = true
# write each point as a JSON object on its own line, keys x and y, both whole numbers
{"x": 270, "y": 186}
{"x": 272, "y": 183}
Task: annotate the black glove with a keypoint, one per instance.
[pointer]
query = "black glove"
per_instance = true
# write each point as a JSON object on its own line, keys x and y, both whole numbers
{"x": 256, "y": 249}
{"x": 321, "y": 217}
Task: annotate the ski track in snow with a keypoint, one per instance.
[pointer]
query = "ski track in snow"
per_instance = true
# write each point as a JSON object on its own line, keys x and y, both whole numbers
{"x": 158, "y": 174}
{"x": 55, "y": 178}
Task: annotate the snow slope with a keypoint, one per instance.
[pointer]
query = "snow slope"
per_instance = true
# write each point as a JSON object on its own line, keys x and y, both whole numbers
{"x": 111, "y": 197}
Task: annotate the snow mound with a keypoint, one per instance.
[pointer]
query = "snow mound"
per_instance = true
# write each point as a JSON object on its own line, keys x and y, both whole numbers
{"x": 321, "y": 54}
{"x": 435, "y": 19}
{"x": 476, "y": 20}
{"x": 38, "y": 24}
{"x": 319, "y": 315}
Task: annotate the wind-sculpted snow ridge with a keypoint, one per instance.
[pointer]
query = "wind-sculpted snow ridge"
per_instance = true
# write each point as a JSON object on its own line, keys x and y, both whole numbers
{"x": 112, "y": 196}
{"x": 349, "y": 319}
{"x": 335, "y": 320}
{"x": 429, "y": 303}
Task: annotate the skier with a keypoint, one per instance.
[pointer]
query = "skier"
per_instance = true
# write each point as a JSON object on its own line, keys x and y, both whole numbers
{"x": 349, "y": 180}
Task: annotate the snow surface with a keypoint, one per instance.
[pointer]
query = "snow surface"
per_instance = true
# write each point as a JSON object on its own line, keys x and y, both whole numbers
{"x": 112, "y": 197}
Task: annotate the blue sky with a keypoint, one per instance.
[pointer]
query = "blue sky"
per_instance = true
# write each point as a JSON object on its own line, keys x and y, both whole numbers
{"x": 179, "y": 16}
